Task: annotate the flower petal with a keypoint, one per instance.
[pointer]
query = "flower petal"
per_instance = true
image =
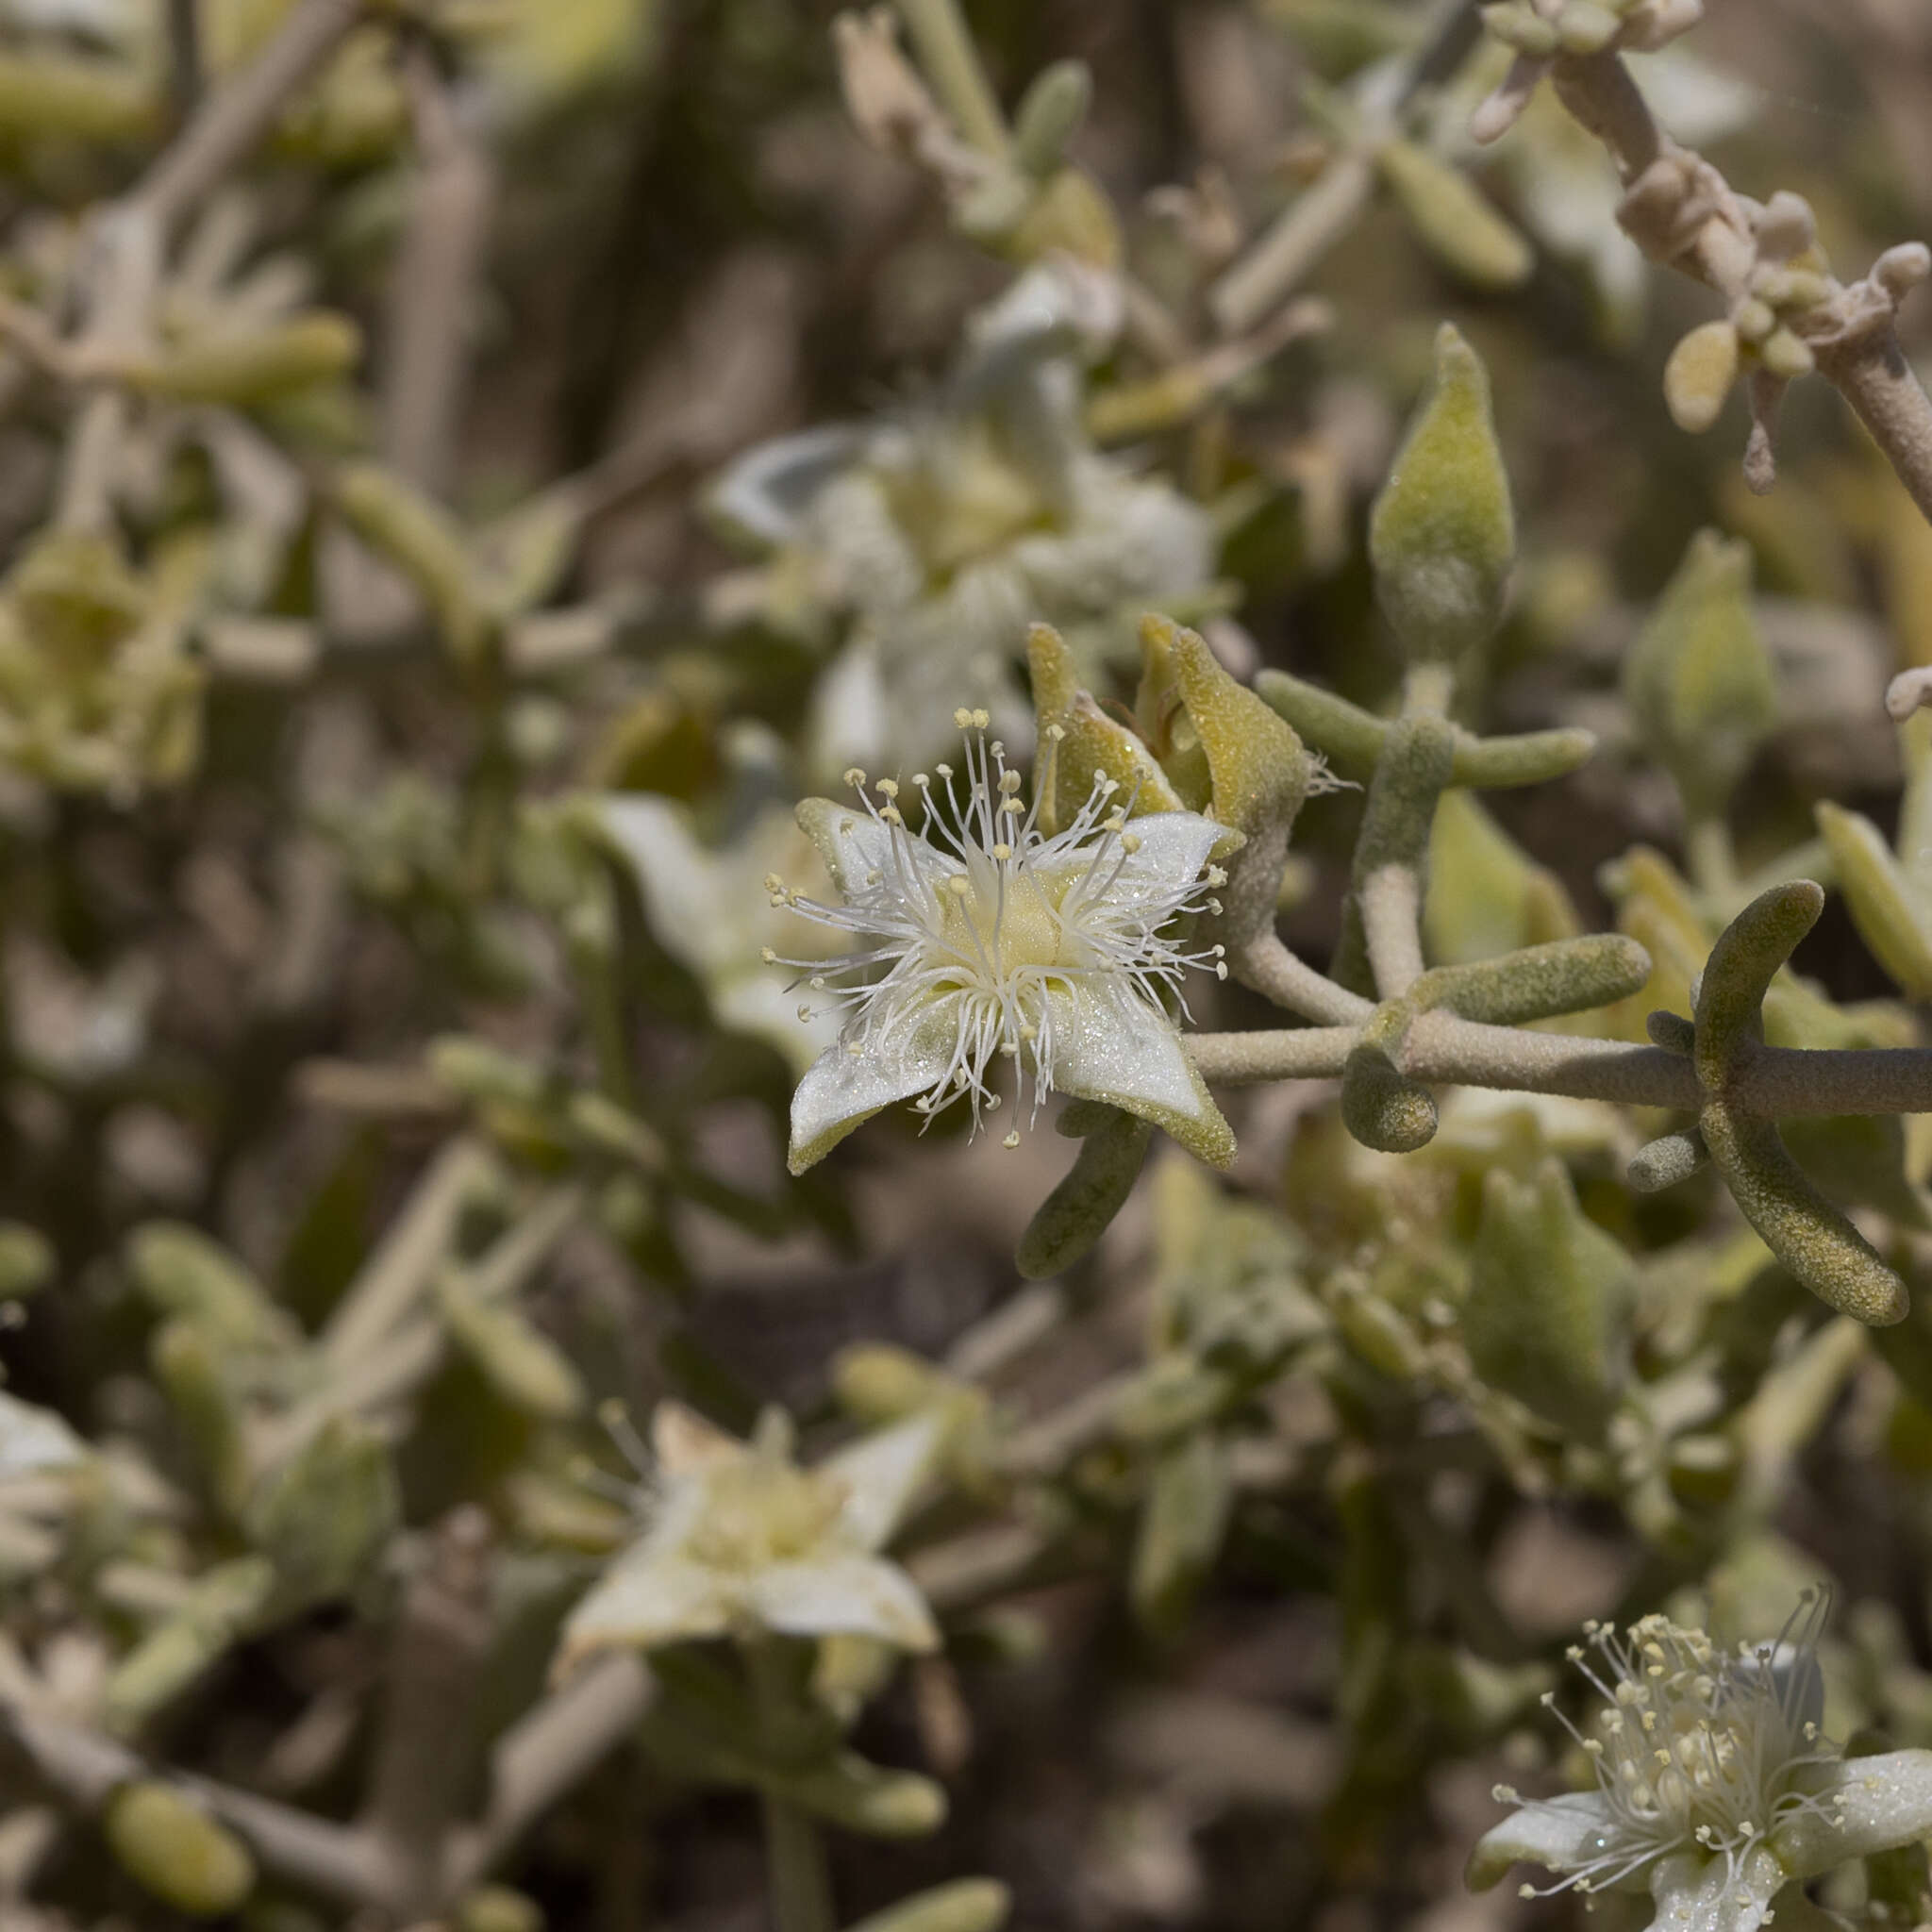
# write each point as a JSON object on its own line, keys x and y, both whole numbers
{"x": 842, "y": 1090}
{"x": 1128, "y": 1054}
{"x": 857, "y": 1596}
{"x": 857, "y": 846}
{"x": 685, "y": 1443}
{"x": 33, "y": 1439}
{"x": 882, "y": 1473}
{"x": 678, "y": 877}
{"x": 768, "y": 490}
{"x": 1697, "y": 1893}
{"x": 644, "y": 1599}
{"x": 1884, "y": 1800}
{"x": 1556, "y": 1833}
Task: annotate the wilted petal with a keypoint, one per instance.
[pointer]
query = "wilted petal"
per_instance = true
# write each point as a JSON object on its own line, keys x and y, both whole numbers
{"x": 842, "y": 1090}
{"x": 1128, "y": 1054}
{"x": 857, "y": 1596}
{"x": 881, "y": 1474}
{"x": 1884, "y": 1801}
{"x": 644, "y": 1599}
{"x": 1556, "y": 1833}
{"x": 1695, "y": 1894}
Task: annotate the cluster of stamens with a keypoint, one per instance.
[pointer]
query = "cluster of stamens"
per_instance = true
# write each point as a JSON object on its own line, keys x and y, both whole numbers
{"x": 979, "y": 920}
{"x": 1697, "y": 1748}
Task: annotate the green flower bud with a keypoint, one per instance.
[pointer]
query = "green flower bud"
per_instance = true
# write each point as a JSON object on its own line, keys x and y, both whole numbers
{"x": 1442, "y": 535}
{"x": 1049, "y": 116}
{"x": 1699, "y": 375}
{"x": 1698, "y": 676}
{"x": 171, "y": 1847}
{"x": 1455, "y": 223}
{"x": 258, "y": 367}
{"x": 1077, "y": 738}
{"x": 325, "y": 1516}
{"x": 524, "y": 1366}
{"x": 967, "y": 1905}
{"x": 1549, "y": 1303}
{"x": 183, "y": 1273}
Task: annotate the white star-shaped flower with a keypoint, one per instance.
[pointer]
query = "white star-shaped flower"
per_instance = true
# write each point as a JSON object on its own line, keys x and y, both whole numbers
{"x": 741, "y": 1538}
{"x": 1715, "y": 1788}
{"x": 982, "y": 938}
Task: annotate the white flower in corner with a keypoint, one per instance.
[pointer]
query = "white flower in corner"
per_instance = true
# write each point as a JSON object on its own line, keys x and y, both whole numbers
{"x": 1715, "y": 1788}
{"x": 981, "y": 938}
{"x": 739, "y": 1539}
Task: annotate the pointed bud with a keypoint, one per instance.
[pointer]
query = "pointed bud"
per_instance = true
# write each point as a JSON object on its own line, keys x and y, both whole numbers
{"x": 1698, "y": 676}
{"x": 1049, "y": 116}
{"x": 1077, "y": 738}
{"x": 1442, "y": 535}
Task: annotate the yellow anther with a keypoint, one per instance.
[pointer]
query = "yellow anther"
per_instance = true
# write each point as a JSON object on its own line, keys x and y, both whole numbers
{"x": 1012, "y": 1140}
{"x": 962, "y": 717}
{"x": 887, "y": 788}
{"x": 854, "y": 775}
{"x": 960, "y": 885}
{"x": 1130, "y": 843}
{"x": 981, "y": 718}
{"x": 1003, "y": 850}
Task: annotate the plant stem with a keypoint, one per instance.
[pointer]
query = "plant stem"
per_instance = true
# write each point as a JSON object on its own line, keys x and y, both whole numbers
{"x": 800, "y": 1885}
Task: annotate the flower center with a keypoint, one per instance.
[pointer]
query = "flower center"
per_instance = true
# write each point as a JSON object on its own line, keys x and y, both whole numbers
{"x": 1010, "y": 923}
{"x": 760, "y": 1511}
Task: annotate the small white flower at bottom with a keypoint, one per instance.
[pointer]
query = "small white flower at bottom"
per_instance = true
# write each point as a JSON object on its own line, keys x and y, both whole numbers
{"x": 985, "y": 938}
{"x": 1715, "y": 1788}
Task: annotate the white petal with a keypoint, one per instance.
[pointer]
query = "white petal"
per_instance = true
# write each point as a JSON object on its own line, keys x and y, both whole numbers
{"x": 644, "y": 1599}
{"x": 856, "y": 1596}
{"x": 842, "y": 1090}
{"x": 856, "y": 845}
{"x": 1556, "y": 1833}
{"x": 1696, "y": 1893}
{"x": 763, "y": 1006}
{"x": 882, "y": 1474}
{"x": 32, "y": 1439}
{"x": 1884, "y": 1801}
{"x": 1128, "y": 1054}
{"x": 1174, "y": 848}
{"x": 768, "y": 490}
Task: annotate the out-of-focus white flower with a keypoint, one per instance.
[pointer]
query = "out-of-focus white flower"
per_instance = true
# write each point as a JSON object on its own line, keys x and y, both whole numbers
{"x": 981, "y": 938}
{"x": 1715, "y": 1788}
{"x": 740, "y": 1539}
{"x": 709, "y": 911}
{"x": 947, "y": 529}
{"x": 34, "y": 1438}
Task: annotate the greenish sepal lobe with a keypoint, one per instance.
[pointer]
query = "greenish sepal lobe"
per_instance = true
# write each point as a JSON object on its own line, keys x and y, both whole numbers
{"x": 1081, "y": 1209}
{"x": 1667, "y": 1159}
{"x": 1891, "y": 911}
{"x": 1077, "y": 740}
{"x": 1795, "y": 1221}
{"x": 1699, "y": 678}
{"x": 1738, "y": 972}
{"x": 1352, "y": 739}
{"x": 1049, "y": 116}
{"x": 1443, "y": 534}
{"x": 1549, "y": 1303}
{"x": 1260, "y": 774}
{"x": 1565, "y": 977}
